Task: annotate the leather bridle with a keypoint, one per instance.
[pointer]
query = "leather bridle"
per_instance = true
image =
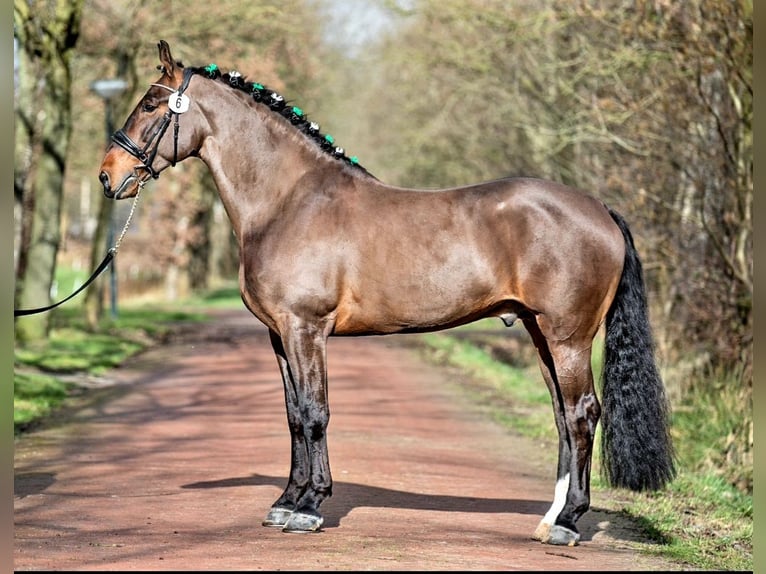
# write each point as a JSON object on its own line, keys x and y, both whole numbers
{"x": 147, "y": 153}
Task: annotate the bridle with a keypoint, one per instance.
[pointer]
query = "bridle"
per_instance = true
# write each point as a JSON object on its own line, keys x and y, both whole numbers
{"x": 178, "y": 103}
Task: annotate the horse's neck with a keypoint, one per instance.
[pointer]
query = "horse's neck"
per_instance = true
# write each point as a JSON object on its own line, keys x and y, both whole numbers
{"x": 254, "y": 160}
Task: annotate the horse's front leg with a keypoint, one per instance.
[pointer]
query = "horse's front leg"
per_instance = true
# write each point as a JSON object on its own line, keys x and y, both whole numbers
{"x": 301, "y": 354}
{"x": 299, "y": 462}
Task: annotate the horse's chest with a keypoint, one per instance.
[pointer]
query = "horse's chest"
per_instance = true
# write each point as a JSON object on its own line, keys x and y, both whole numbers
{"x": 290, "y": 282}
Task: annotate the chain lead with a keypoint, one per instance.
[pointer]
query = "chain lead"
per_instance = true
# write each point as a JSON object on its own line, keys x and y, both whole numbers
{"x": 127, "y": 222}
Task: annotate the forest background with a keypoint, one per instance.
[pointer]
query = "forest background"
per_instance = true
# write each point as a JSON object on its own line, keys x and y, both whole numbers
{"x": 647, "y": 104}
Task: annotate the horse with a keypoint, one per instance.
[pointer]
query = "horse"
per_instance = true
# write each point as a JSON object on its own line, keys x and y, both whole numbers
{"x": 327, "y": 250}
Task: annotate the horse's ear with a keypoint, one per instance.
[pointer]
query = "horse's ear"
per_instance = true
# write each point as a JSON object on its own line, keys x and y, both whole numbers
{"x": 168, "y": 64}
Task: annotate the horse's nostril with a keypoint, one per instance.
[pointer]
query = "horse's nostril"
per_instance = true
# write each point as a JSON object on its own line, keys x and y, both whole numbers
{"x": 103, "y": 177}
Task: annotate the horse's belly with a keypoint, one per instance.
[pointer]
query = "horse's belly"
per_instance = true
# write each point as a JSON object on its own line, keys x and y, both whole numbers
{"x": 417, "y": 303}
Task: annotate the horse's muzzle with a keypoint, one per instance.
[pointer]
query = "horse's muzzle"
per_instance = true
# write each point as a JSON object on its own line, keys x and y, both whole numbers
{"x": 128, "y": 187}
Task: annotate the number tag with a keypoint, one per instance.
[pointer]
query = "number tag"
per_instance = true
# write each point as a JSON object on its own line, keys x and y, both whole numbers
{"x": 178, "y": 103}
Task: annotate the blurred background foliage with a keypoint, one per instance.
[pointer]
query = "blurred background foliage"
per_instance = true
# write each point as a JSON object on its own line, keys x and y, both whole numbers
{"x": 647, "y": 104}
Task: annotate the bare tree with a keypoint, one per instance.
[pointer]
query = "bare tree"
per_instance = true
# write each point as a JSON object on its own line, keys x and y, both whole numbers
{"x": 47, "y": 32}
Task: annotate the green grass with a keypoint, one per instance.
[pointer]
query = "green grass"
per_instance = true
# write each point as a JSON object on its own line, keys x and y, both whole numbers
{"x": 224, "y": 297}
{"x": 720, "y": 417}
{"x": 35, "y": 396}
{"x": 71, "y": 350}
{"x": 700, "y": 520}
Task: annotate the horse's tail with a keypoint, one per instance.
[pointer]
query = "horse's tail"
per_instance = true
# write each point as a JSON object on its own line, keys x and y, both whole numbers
{"x": 636, "y": 450}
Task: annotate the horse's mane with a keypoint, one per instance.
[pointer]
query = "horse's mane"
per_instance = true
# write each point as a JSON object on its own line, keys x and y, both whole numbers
{"x": 276, "y": 103}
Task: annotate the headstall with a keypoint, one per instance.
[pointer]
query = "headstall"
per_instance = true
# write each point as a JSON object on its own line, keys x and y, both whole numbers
{"x": 178, "y": 103}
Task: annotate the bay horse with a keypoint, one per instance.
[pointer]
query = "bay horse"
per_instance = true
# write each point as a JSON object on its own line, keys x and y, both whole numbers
{"x": 326, "y": 249}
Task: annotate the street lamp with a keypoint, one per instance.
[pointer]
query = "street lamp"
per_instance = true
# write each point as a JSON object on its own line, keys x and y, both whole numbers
{"x": 107, "y": 90}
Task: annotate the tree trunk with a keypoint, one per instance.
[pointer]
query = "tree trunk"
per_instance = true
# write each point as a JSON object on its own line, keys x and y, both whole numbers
{"x": 94, "y": 298}
{"x": 47, "y": 38}
{"x": 200, "y": 247}
{"x": 224, "y": 249}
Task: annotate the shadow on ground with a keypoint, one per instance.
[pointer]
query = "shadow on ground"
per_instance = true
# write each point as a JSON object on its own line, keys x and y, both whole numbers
{"x": 348, "y": 495}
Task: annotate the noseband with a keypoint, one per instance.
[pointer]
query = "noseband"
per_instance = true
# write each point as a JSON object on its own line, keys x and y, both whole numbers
{"x": 178, "y": 103}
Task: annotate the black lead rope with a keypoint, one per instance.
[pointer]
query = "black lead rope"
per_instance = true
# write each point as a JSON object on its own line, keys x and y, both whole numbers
{"x": 110, "y": 254}
{"x": 103, "y": 265}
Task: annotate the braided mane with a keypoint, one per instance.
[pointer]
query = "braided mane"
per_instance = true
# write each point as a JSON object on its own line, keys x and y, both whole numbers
{"x": 276, "y": 103}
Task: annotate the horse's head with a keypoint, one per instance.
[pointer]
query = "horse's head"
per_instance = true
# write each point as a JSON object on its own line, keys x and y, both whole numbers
{"x": 144, "y": 146}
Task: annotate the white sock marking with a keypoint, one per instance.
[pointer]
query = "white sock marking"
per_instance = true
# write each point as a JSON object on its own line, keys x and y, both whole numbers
{"x": 559, "y": 499}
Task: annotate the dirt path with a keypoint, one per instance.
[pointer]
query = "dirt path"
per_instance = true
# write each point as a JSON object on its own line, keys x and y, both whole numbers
{"x": 177, "y": 462}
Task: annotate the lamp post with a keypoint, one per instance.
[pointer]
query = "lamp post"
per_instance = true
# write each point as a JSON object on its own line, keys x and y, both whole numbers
{"x": 107, "y": 90}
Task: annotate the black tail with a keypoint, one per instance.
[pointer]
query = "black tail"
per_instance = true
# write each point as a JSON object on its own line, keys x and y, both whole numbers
{"x": 636, "y": 450}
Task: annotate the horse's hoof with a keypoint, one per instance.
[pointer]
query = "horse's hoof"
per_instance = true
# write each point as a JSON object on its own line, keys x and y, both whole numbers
{"x": 542, "y": 531}
{"x": 562, "y": 536}
{"x": 303, "y": 522}
{"x": 277, "y": 517}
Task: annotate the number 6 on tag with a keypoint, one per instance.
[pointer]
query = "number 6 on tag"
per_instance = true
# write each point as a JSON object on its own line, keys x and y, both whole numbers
{"x": 178, "y": 103}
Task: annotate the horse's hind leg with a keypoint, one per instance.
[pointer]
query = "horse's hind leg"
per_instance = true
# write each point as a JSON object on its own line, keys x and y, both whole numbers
{"x": 545, "y": 361}
{"x": 567, "y": 372}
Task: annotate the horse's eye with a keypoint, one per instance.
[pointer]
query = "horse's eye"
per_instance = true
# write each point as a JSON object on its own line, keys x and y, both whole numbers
{"x": 147, "y": 107}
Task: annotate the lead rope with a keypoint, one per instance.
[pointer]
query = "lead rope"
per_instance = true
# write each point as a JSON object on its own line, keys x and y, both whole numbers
{"x": 130, "y": 217}
{"x": 110, "y": 254}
